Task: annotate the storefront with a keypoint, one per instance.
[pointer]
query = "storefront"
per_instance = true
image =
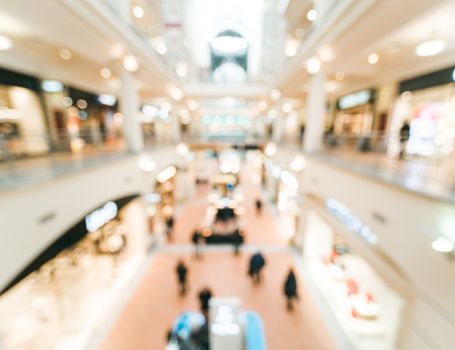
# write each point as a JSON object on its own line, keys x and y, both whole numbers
{"x": 368, "y": 309}
{"x": 354, "y": 114}
{"x": 427, "y": 103}
{"x": 22, "y": 122}
{"x": 63, "y": 301}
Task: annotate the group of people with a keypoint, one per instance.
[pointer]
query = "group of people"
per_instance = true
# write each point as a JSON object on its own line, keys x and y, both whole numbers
{"x": 256, "y": 265}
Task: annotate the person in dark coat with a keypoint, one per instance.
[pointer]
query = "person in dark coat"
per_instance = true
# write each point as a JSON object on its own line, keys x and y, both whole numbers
{"x": 237, "y": 241}
{"x": 182, "y": 272}
{"x": 290, "y": 288}
{"x": 170, "y": 226}
{"x": 405, "y": 132}
{"x": 196, "y": 238}
{"x": 204, "y": 299}
{"x": 257, "y": 263}
{"x": 258, "y": 205}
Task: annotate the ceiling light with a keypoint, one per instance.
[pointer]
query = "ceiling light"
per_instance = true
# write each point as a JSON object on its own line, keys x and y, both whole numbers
{"x": 52, "y": 86}
{"x": 146, "y": 164}
{"x": 130, "y": 63}
{"x": 105, "y": 73}
{"x": 229, "y": 44}
{"x": 339, "y": 75}
{"x": 262, "y": 105}
{"x": 275, "y": 94}
{"x": 82, "y": 104}
{"x": 442, "y": 245}
{"x": 150, "y": 110}
{"x": 193, "y": 105}
{"x": 291, "y": 48}
{"x": 67, "y": 101}
{"x": 5, "y": 43}
{"x": 138, "y": 12}
{"x": 373, "y": 58}
{"x": 406, "y": 95}
{"x": 175, "y": 93}
{"x": 430, "y": 48}
{"x": 298, "y": 164}
{"x": 182, "y": 149}
{"x": 326, "y": 54}
{"x": 312, "y": 15}
{"x": 313, "y": 65}
{"x": 181, "y": 69}
{"x": 65, "y": 54}
{"x": 161, "y": 47}
{"x": 287, "y": 108}
{"x": 270, "y": 149}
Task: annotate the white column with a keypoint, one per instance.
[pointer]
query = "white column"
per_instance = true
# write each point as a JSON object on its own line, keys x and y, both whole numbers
{"x": 176, "y": 128}
{"x": 129, "y": 107}
{"x": 278, "y": 128}
{"x": 314, "y": 129}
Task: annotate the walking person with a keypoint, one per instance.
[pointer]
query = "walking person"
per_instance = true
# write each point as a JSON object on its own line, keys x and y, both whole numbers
{"x": 170, "y": 226}
{"x": 258, "y": 205}
{"x": 290, "y": 289}
{"x": 204, "y": 300}
{"x": 237, "y": 241}
{"x": 196, "y": 238}
{"x": 405, "y": 132}
{"x": 257, "y": 263}
{"x": 182, "y": 272}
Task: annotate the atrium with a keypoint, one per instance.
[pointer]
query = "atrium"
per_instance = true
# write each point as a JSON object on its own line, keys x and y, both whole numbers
{"x": 227, "y": 175}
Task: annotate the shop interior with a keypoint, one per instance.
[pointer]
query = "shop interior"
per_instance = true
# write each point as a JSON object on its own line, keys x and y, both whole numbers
{"x": 368, "y": 310}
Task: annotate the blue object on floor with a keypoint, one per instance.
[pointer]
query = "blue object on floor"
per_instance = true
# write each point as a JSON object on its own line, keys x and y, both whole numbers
{"x": 254, "y": 331}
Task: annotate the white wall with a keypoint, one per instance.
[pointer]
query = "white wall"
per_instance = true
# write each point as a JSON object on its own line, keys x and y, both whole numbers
{"x": 409, "y": 224}
{"x": 25, "y": 231}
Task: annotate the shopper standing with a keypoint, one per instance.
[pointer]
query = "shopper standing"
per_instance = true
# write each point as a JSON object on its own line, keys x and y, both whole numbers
{"x": 196, "y": 238}
{"x": 182, "y": 272}
{"x": 170, "y": 226}
{"x": 204, "y": 299}
{"x": 257, "y": 263}
{"x": 258, "y": 205}
{"x": 405, "y": 132}
{"x": 290, "y": 289}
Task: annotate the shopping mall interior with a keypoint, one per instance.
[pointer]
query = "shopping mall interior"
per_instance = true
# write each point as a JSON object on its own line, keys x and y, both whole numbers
{"x": 227, "y": 175}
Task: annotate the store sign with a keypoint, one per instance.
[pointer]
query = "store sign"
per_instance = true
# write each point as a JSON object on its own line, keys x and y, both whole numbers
{"x": 351, "y": 222}
{"x": 101, "y": 216}
{"x": 52, "y": 86}
{"x": 356, "y": 99}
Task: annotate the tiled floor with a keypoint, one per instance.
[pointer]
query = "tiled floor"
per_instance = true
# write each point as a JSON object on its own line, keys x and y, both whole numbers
{"x": 155, "y": 304}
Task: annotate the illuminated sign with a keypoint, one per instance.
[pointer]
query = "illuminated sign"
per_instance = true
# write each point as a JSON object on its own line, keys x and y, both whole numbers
{"x": 52, "y": 86}
{"x": 101, "y": 216}
{"x": 355, "y": 99}
{"x": 350, "y": 221}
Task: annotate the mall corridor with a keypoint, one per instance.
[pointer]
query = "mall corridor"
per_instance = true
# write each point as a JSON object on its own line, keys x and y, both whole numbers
{"x": 308, "y": 144}
{"x": 155, "y": 304}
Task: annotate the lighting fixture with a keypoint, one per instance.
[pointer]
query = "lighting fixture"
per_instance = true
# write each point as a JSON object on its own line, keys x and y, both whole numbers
{"x": 161, "y": 47}
{"x": 230, "y": 43}
{"x": 326, "y": 54}
{"x": 270, "y": 149}
{"x": 339, "y": 75}
{"x": 81, "y": 103}
{"x": 453, "y": 75}
{"x": 130, "y": 63}
{"x": 52, "y": 86}
{"x": 150, "y": 110}
{"x": 105, "y": 73}
{"x": 373, "y": 58}
{"x": 138, "y": 12}
{"x": 406, "y": 95}
{"x": 181, "y": 69}
{"x": 146, "y": 164}
{"x": 67, "y": 101}
{"x": 313, "y": 65}
{"x": 5, "y": 43}
{"x": 312, "y": 15}
{"x": 291, "y": 49}
{"x": 275, "y": 94}
{"x": 107, "y": 99}
{"x": 65, "y": 54}
{"x": 182, "y": 149}
{"x": 193, "y": 105}
{"x": 175, "y": 93}
{"x": 118, "y": 117}
{"x": 442, "y": 245}
{"x": 298, "y": 164}
{"x": 287, "y": 107}
{"x": 430, "y": 48}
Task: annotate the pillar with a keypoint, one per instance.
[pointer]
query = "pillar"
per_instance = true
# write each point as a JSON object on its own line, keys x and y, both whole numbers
{"x": 278, "y": 128}
{"x": 129, "y": 107}
{"x": 176, "y": 127}
{"x": 314, "y": 129}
